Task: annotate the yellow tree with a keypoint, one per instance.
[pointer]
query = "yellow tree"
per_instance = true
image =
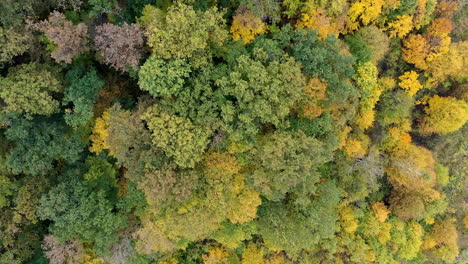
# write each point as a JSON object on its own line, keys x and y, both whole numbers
{"x": 365, "y": 11}
{"x": 253, "y": 255}
{"x": 442, "y": 241}
{"x": 246, "y": 26}
{"x": 443, "y": 115}
{"x": 216, "y": 255}
{"x": 380, "y": 210}
{"x": 100, "y": 133}
{"x": 452, "y": 64}
{"x": 317, "y": 19}
{"x": 415, "y": 50}
{"x": 401, "y": 26}
{"x": 409, "y": 82}
{"x": 413, "y": 169}
{"x": 315, "y": 92}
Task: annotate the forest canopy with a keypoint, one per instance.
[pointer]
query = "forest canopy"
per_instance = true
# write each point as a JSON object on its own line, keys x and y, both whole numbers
{"x": 233, "y": 131}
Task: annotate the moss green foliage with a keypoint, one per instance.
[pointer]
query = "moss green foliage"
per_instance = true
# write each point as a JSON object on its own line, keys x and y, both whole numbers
{"x": 30, "y": 89}
{"x": 178, "y": 137}
{"x": 146, "y": 132}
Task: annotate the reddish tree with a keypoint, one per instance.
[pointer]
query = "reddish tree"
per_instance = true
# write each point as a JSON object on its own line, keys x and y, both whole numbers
{"x": 120, "y": 46}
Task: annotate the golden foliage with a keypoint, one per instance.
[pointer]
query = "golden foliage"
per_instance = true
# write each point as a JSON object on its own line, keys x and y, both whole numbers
{"x": 415, "y": 50}
{"x": 380, "y": 210}
{"x": 348, "y": 222}
{"x": 413, "y": 169}
{"x": 100, "y": 133}
{"x": 253, "y": 255}
{"x": 317, "y": 19}
{"x": 401, "y": 26}
{"x": 452, "y": 64}
{"x": 216, "y": 256}
{"x": 356, "y": 146}
{"x": 246, "y": 26}
{"x": 444, "y": 115}
{"x": 409, "y": 82}
{"x": 442, "y": 241}
{"x": 315, "y": 92}
{"x": 366, "y": 11}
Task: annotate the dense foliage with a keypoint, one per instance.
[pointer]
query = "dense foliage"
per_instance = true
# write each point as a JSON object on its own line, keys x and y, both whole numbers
{"x": 246, "y": 131}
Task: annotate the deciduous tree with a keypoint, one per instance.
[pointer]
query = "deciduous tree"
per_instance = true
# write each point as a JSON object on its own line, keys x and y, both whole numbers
{"x": 121, "y": 46}
{"x": 443, "y": 115}
{"x": 68, "y": 40}
{"x": 30, "y": 89}
{"x": 246, "y": 26}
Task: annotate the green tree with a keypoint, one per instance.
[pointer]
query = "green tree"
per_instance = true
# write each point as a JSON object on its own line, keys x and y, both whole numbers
{"x": 263, "y": 91}
{"x": 30, "y": 89}
{"x": 359, "y": 48}
{"x": 39, "y": 143}
{"x": 79, "y": 212}
{"x": 287, "y": 161}
{"x": 163, "y": 78}
{"x": 325, "y": 60}
{"x": 284, "y": 228}
{"x": 82, "y": 90}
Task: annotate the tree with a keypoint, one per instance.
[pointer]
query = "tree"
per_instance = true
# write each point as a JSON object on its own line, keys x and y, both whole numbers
{"x": 415, "y": 50}
{"x": 70, "y": 252}
{"x": 216, "y": 256}
{"x": 12, "y": 43}
{"x": 409, "y": 82}
{"x": 283, "y": 228}
{"x": 100, "y": 133}
{"x": 394, "y": 107}
{"x": 450, "y": 65}
{"x": 263, "y": 92}
{"x": 82, "y": 90}
{"x": 8, "y": 187}
{"x": 366, "y": 80}
{"x": 178, "y": 137}
{"x": 358, "y": 48}
{"x": 443, "y": 115}
{"x": 314, "y": 95}
{"x": 163, "y": 78}
{"x": 406, "y": 204}
{"x": 253, "y": 254}
{"x": 30, "y": 89}
{"x": 366, "y": 11}
{"x": 166, "y": 187}
{"x": 68, "y": 40}
{"x": 195, "y": 32}
{"x": 99, "y": 7}
{"x": 376, "y": 40}
{"x": 79, "y": 212}
{"x": 128, "y": 140}
{"x": 442, "y": 241}
{"x": 380, "y": 210}
{"x": 412, "y": 168}
{"x": 325, "y": 60}
{"x": 120, "y": 46}
{"x": 287, "y": 162}
{"x": 317, "y": 19}
{"x": 401, "y": 26}
{"x": 39, "y": 143}
{"x": 246, "y": 26}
